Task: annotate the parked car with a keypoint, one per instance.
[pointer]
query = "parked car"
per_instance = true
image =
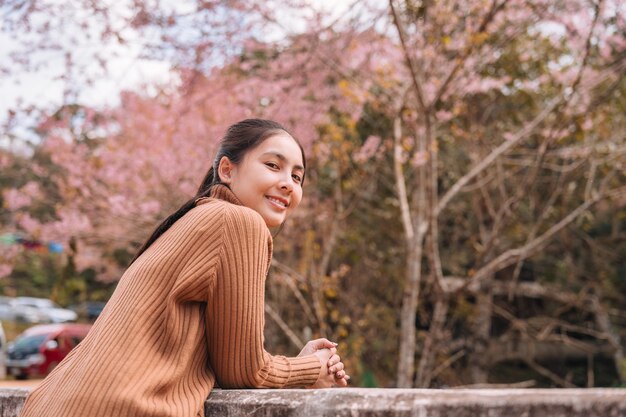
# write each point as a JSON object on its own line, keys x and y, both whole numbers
{"x": 89, "y": 310}
{"x": 50, "y": 311}
{"x": 10, "y": 311}
{"x": 7, "y": 312}
{"x": 40, "y": 348}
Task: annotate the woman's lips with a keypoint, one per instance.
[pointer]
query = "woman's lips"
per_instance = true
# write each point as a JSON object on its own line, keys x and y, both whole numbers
{"x": 278, "y": 201}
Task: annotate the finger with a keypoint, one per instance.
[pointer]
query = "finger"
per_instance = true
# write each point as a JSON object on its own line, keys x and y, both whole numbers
{"x": 327, "y": 353}
{"x": 322, "y": 343}
{"x": 340, "y": 374}
{"x": 337, "y": 367}
{"x": 334, "y": 359}
{"x": 342, "y": 382}
{"x": 331, "y": 362}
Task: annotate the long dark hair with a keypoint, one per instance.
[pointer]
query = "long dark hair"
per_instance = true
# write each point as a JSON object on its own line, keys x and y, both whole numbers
{"x": 239, "y": 139}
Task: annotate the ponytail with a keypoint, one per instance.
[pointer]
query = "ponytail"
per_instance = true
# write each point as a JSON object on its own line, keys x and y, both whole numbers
{"x": 203, "y": 191}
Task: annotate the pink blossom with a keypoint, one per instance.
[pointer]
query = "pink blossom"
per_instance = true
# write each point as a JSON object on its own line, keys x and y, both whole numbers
{"x": 5, "y": 160}
{"x": 508, "y": 136}
{"x": 444, "y": 116}
{"x": 32, "y": 190}
{"x": 150, "y": 207}
{"x": 15, "y": 199}
{"x": 322, "y": 151}
{"x": 29, "y": 224}
{"x": 368, "y": 150}
{"x": 419, "y": 159}
{"x": 86, "y": 258}
{"x": 5, "y": 270}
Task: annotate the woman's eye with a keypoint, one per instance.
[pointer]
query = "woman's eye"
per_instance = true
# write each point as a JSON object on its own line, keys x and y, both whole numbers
{"x": 297, "y": 178}
{"x": 272, "y": 165}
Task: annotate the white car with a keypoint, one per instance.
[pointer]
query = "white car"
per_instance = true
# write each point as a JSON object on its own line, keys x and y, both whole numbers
{"x": 9, "y": 311}
{"x": 47, "y": 308}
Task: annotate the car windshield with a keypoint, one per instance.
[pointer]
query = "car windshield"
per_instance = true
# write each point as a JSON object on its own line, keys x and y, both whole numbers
{"x": 29, "y": 342}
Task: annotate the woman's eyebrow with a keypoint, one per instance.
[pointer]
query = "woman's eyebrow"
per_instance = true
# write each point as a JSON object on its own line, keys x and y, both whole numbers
{"x": 283, "y": 158}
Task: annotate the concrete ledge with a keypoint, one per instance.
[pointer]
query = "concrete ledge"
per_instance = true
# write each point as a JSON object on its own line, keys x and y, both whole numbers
{"x": 11, "y": 401}
{"x": 359, "y": 402}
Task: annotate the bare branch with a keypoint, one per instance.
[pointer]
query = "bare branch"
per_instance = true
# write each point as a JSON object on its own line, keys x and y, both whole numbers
{"x": 513, "y": 255}
{"x": 409, "y": 230}
{"x": 533, "y": 232}
{"x": 291, "y": 283}
{"x": 289, "y": 271}
{"x": 505, "y": 146}
{"x": 284, "y": 327}
{"x": 447, "y": 363}
{"x": 519, "y": 136}
{"x": 495, "y": 8}
{"x": 604, "y": 322}
{"x": 549, "y": 374}
{"x": 522, "y": 289}
{"x": 417, "y": 84}
{"x": 424, "y": 374}
{"x": 585, "y": 60}
{"x": 521, "y": 384}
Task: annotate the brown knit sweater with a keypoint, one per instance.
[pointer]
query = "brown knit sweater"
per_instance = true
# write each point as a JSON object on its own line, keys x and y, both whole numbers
{"x": 189, "y": 311}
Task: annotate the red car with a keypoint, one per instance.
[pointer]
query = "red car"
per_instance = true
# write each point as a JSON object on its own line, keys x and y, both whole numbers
{"x": 39, "y": 349}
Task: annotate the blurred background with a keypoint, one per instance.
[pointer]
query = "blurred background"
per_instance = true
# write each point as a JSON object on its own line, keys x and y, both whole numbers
{"x": 464, "y": 219}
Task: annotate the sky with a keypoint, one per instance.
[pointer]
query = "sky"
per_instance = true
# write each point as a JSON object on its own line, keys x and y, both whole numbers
{"x": 44, "y": 87}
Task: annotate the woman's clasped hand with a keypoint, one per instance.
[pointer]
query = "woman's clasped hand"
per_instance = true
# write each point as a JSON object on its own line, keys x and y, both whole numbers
{"x": 332, "y": 372}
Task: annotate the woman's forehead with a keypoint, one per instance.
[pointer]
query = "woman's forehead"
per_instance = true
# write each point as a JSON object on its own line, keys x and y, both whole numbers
{"x": 283, "y": 146}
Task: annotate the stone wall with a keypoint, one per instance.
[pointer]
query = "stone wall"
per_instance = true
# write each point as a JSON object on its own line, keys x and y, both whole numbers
{"x": 359, "y": 402}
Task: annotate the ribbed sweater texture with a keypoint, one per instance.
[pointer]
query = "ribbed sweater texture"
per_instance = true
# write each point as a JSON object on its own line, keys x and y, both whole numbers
{"x": 187, "y": 313}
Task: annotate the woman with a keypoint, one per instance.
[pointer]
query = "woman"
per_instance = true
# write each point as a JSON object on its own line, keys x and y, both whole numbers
{"x": 189, "y": 312}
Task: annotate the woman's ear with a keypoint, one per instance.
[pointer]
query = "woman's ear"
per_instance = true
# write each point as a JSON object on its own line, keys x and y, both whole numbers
{"x": 225, "y": 170}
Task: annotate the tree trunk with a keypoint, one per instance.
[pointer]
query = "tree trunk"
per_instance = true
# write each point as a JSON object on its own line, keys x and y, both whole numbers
{"x": 427, "y": 360}
{"x": 604, "y": 323}
{"x": 406, "y": 360}
{"x": 481, "y": 329}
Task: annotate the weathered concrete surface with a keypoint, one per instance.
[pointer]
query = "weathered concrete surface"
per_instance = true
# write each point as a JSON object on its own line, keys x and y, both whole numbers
{"x": 11, "y": 401}
{"x": 358, "y": 402}
{"x": 420, "y": 403}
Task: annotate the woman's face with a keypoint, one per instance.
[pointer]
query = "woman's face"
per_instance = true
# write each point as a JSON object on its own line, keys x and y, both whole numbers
{"x": 269, "y": 178}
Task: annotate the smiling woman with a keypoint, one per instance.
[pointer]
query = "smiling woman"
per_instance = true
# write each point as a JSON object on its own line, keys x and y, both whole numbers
{"x": 189, "y": 311}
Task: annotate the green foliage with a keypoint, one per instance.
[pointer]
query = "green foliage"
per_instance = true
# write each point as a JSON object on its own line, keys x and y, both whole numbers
{"x": 52, "y": 276}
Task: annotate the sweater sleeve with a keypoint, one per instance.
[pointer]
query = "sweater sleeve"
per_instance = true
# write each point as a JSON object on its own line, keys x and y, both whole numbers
{"x": 235, "y": 315}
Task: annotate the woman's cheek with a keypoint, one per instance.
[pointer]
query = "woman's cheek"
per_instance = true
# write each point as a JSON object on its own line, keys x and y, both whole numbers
{"x": 297, "y": 200}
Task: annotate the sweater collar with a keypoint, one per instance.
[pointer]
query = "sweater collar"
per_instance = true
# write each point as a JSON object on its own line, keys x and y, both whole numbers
{"x": 221, "y": 192}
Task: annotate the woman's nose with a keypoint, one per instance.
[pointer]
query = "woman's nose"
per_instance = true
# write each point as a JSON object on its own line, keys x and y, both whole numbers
{"x": 287, "y": 184}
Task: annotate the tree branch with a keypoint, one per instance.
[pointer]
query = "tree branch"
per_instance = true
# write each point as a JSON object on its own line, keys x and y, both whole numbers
{"x": 284, "y": 327}
{"x": 495, "y": 8}
{"x": 513, "y": 255}
{"x": 407, "y": 56}
{"x": 505, "y": 146}
{"x": 549, "y": 374}
{"x": 409, "y": 230}
{"x": 290, "y": 282}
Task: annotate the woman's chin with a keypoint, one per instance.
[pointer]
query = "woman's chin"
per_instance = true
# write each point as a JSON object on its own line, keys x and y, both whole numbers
{"x": 273, "y": 223}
